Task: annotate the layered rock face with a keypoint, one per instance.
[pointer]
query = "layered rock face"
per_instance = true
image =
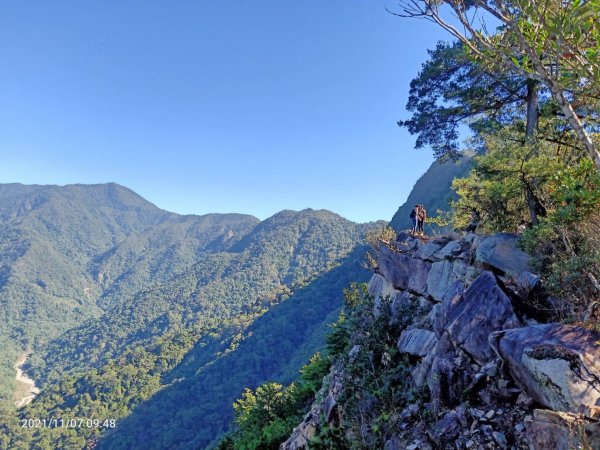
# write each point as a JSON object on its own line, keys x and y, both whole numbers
{"x": 494, "y": 376}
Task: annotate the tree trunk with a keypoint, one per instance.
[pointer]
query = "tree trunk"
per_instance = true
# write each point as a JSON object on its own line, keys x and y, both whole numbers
{"x": 533, "y": 204}
{"x": 531, "y": 207}
{"x": 532, "y": 110}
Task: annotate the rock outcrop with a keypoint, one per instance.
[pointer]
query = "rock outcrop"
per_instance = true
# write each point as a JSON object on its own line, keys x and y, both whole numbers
{"x": 493, "y": 376}
{"x": 484, "y": 307}
{"x": 323, "y": 406}
{"x": 403, "y": 271}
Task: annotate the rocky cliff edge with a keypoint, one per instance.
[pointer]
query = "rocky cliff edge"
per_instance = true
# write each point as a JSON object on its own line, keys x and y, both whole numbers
{"x": 496, "y": 376}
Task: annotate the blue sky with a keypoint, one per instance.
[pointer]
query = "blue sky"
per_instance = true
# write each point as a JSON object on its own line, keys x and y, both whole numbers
{"x": 215, "y": 106}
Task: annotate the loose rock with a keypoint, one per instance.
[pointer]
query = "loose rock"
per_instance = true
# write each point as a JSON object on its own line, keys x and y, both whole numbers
{"x": 417, "y": 342}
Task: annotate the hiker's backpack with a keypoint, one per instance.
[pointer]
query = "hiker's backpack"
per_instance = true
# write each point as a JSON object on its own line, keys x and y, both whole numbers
{"x": 413, "y": 214}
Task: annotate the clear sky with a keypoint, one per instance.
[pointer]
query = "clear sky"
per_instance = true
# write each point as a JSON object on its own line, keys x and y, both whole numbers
{"x": 215, "y": 105}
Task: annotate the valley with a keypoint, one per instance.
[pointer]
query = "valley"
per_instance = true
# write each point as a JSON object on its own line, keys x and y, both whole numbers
{"x": 26, "y": 389}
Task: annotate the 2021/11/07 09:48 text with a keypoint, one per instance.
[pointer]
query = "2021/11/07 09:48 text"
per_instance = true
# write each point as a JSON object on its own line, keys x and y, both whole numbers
{"x": 68, "y": 423}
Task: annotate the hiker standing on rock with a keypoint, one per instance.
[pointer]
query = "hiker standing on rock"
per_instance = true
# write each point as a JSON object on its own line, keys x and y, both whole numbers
{"x": 422, "y": 217}
{"x": 414, "y": 215}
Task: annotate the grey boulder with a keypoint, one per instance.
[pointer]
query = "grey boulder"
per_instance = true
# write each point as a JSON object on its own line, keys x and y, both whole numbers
{"x": 557, "y": 365}
{"x": 379, "y": 288}
{"x": 561, "y": 431}
{"x": 484, "y": 308}
{"x": 402, "y": 271}
{"x": 429, "y": 250}
{"x": 451, "y": 297}
{"x": 417, "y": 342}
{"x": 500, "y": 252}
{"x": 443, "y": 274}
{"x": 455, "y": 249}
{"x": 446, "y": 383}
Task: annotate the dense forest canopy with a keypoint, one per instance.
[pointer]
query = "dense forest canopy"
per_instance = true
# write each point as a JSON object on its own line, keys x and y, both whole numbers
{"x": 154, "y": 302}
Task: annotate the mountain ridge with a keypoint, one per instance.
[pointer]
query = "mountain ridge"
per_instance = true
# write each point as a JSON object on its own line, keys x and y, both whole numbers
{"x": 138, "y": 287}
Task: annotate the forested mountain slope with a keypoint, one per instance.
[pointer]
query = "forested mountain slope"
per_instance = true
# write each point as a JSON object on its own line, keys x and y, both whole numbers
{"x": 67, "y": 252}
{"x": 151, "y": 299}
{"x": 195, "y": 407}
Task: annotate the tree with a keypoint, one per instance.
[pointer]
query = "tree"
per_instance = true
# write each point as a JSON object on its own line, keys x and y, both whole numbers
{"x": 554, "y": 42}
{"x": 452, "y": 89}
{"x": 503, "y": 181}
{"x": 265, "y": 417}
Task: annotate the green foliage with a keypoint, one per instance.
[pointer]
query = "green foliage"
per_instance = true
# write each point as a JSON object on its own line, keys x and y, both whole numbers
{"x": 567, "y": 242}
{"x": 554, "y": 43}
{"x": 496, "y": 190}
{"x": 566, "y": 33}
{"x": 312, "y": 375}
{"x": 376, "y": 381}
{"x": 575, "y": 193}
{"x": 66, "y": 250}
{"x": 265, "y": 417}
{"x": 227, "y": 443}
{"x": 338, "y": 338}
{"x": 451, "y": 89}
{"x": 565, "y": 245}
{"x": 385, "y": 234}
{"x": 376, "y": 238}
{"x": 442, "y": 220}
{"x": 272, "y": 347}
{"x": 533, "y": 166}
{"x": 356, "y": 295}
{"x": 329, "y": 438}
